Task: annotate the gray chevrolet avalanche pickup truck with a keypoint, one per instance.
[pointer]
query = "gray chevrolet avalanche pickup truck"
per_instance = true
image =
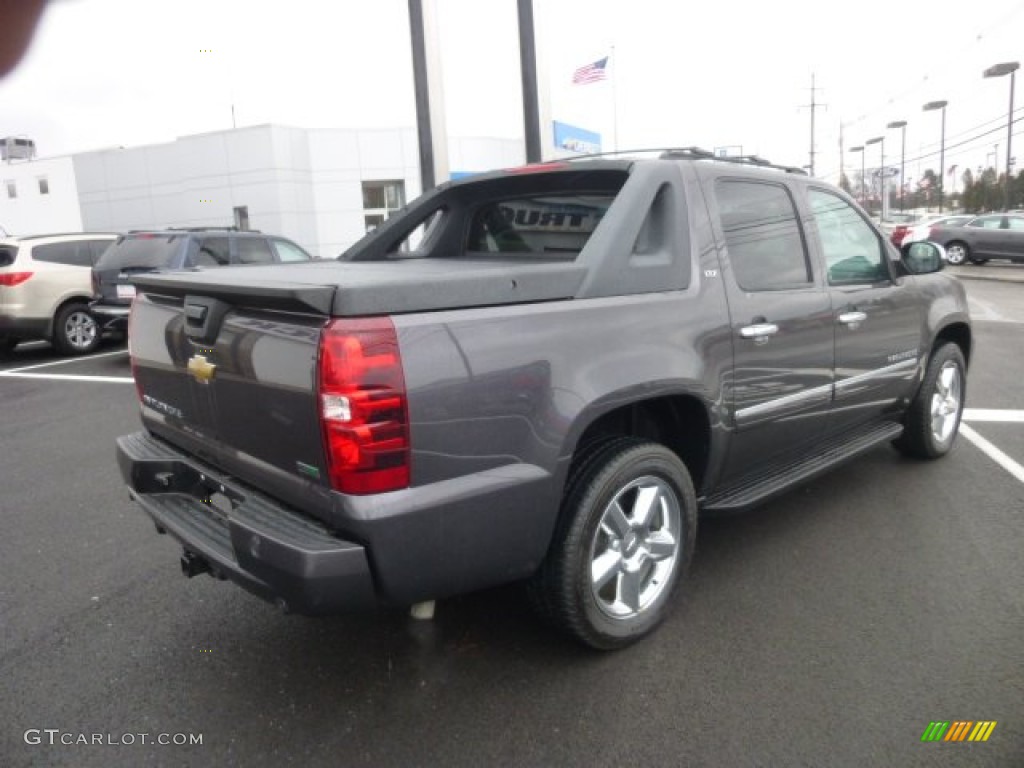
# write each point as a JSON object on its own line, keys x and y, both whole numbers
{"x": 540, "y": 374}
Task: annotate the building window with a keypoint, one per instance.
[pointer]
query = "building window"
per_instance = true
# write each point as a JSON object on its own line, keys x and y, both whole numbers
{"x": 44, "y": 185}
{"x": 383, "y": 197}
{"x": 12, "y": 189}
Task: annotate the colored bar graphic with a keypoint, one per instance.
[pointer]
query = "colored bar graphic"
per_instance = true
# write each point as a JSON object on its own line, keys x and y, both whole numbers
{"x": 958, "y": 730}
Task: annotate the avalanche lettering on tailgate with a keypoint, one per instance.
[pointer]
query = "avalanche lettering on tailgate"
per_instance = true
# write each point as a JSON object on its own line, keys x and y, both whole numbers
{"x": 160, "y": 405}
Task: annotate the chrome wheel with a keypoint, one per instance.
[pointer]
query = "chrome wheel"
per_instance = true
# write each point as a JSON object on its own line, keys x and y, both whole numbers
{"x": 946, "y": 399}
{"x": 635, "y": 547}
{"x": 80, "y": 330}
{"x": 75, "y": 330}
{"x": 956, "y": 253}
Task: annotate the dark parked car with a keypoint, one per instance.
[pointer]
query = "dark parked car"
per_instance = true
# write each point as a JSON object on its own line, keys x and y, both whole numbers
{"x": 992, "y": 236}
{"x": 171, "y": 249}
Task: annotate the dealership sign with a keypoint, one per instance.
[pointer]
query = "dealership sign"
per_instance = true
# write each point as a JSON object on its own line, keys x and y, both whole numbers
{"x": 573, "y": 139}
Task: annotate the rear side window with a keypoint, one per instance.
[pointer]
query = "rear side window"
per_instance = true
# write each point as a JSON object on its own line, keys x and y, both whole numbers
{"x": 765, "y": 243}
{"x": 541, "y": 226}
{"x": 145, "y": 251}
{"x": 75, "y": 254}
{"x": 213, "y": 252}
{"x": 254, "y": 250}
{"x": 7, "y": 255}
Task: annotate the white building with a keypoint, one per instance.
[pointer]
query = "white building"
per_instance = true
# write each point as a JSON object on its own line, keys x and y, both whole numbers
{"x": 322, "y": 188}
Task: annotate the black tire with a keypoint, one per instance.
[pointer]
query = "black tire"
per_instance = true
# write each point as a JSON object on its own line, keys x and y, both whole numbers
{"x": 644, "y": 560}
{"x": 75, "y": 330}
{"x": 933, "y": 419}
{"x": 957, "y": 253}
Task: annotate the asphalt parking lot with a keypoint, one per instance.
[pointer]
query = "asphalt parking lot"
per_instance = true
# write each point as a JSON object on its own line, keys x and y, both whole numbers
{"x": 826, "y": 629}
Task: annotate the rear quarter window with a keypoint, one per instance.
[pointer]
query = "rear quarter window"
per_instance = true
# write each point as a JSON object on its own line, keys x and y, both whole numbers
{"x": 74, "y": 254}
{"x": 253, "y": 250}
{"x": 7, "y": 255}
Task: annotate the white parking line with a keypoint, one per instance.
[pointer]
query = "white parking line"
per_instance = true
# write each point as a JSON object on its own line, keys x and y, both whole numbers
{"x": 990, "y": 414}
{"x": 66, "y": 361}
{"x": 993, "y": 453}
{"x": 64, "y": 377}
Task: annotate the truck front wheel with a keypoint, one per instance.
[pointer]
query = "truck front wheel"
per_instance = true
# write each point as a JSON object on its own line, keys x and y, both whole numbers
{"x": 623, "y": 543}
{"x": 933, "y": 419}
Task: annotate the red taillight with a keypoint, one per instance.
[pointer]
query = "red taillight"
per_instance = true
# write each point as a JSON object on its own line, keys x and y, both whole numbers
{"x": 362, "y": 406}
{"x": 11, "y": 279}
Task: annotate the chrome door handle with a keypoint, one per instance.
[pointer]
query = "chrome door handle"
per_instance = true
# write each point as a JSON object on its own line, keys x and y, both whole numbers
{"x": 853, "y": 318}
{"x": 759, "y": 331}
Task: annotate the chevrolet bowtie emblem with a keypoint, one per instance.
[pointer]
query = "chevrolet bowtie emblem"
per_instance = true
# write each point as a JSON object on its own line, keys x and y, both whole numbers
{"x": 201, "y": 369}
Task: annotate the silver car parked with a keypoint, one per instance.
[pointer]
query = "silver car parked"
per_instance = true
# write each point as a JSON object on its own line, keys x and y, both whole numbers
{"x": 45, "y": 288}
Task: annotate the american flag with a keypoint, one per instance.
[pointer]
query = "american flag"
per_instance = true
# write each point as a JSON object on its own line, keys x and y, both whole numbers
{"x": 591, "y": 73}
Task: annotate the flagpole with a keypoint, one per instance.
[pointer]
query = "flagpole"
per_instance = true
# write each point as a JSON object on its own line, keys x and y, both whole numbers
{"x": 615, "y": 100}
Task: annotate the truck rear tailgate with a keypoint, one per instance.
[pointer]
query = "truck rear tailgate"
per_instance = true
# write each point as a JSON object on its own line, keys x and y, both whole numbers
{"x": 242, "y": 396}
{"x": 226, "y": 361}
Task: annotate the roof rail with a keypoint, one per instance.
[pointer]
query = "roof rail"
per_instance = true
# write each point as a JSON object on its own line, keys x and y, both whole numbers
{"x": 692, "y": 153}
{"x": 754, "y": 160}
{"x": 231, "y": 228}
{"x": 661, "y": 151}
{"x": 65, "y": 234}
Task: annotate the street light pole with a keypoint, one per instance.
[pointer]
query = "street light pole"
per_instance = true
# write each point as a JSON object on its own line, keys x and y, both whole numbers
{"x": 1006, "y": 68}
{"x": 861, "y": 150}
{"x": 880, "y": 140}
{"x": 903, "y": 155}
{"x": 930, "y": 106}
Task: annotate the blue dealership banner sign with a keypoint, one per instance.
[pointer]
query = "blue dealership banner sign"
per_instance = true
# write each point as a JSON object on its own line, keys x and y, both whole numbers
{"x": 573, "y": 139}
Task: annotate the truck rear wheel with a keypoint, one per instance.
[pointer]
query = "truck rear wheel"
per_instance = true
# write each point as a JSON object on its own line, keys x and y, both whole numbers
{"x": 623, "y": 543}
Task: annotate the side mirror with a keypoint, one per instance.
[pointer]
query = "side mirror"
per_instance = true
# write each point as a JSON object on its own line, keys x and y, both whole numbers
{"x": 923, "y": 257}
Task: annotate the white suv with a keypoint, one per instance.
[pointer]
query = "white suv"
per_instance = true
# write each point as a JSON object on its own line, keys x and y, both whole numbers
{"x": 45, "y": 288}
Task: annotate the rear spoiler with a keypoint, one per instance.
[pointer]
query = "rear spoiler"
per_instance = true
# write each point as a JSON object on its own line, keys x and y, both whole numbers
{"x": 232, "y": 287}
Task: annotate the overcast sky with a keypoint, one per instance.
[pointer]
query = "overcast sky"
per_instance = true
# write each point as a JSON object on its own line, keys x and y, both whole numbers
{"x": 104, "y": 73}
